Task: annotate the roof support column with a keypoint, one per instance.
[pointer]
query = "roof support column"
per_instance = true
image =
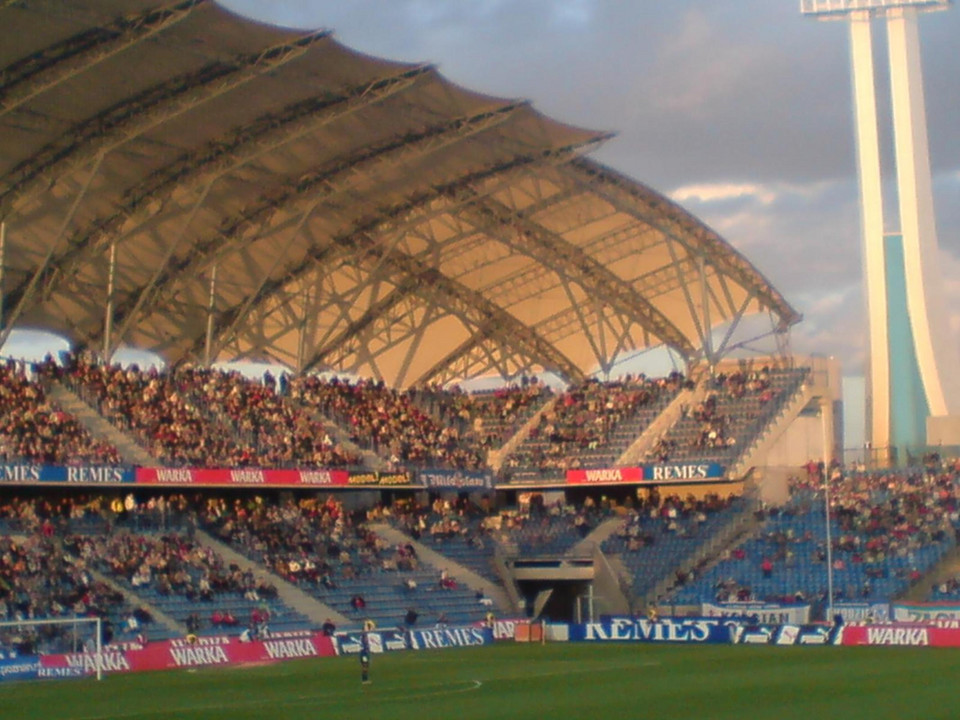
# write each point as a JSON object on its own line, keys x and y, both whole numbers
{"x": 42, "y": 268}
{"x": 148, "y": 289}
{"x": 211, "y": 310}
{"x": 108, "y": 312}
{"x": 734, "y": 323}
{"x": 302, "y": 329}
{"x": 705, "y": 309}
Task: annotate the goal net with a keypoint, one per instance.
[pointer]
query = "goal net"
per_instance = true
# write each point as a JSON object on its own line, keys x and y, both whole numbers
{"x": 27, "y": 638}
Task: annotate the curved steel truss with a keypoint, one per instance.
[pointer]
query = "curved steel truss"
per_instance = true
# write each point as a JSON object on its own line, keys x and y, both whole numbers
{"x": 184, "y": 181}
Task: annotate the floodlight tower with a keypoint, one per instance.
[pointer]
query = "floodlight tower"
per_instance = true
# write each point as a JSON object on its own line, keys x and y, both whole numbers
{"x": 913, "y": 370}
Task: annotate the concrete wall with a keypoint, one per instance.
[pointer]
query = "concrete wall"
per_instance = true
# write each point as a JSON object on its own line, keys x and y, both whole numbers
{"x": 801, "y": 442}
{"x": 943, "y": 430}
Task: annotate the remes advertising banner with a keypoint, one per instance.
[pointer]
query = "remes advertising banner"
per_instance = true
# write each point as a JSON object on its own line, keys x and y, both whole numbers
{"x": 27, "y": 474}
{"x": 685, "y": 630}
{"x": 449, "y": 637}
{"x": 662, "y": 473}
{"x": 681, "y": 472}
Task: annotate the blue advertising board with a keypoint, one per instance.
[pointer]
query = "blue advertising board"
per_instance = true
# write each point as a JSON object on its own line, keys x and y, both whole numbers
{"x": 450, "y": 637}
{"x": 19, "y": 668}
{"x": 33, "y": 474}
{"x": 782, "y": 634}
{"x": 690, "y": 471}
{"x": 627, "y": 629}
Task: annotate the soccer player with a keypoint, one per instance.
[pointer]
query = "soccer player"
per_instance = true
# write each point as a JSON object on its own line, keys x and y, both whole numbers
{"x": 365, "y": 652}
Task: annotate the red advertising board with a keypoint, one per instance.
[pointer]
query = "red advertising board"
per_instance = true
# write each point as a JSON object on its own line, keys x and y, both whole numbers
{"x": 901, "y": 635}
{"x": 241, "y": 477}
{"x": 205, "y": 652}
{"x": 605, "y": 476}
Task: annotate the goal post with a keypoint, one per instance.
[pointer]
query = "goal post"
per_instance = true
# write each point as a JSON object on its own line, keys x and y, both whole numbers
{"x": 85, "y": 634}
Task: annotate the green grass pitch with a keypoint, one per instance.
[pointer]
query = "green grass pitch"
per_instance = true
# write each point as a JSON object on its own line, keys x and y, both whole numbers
{"x": 615, "y": 681}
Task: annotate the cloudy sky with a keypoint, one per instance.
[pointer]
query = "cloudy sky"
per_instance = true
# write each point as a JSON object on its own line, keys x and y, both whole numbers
{"x": 738, "y": 109}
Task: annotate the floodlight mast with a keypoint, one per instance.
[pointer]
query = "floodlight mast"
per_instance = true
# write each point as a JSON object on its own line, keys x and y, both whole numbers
{"x": 907, "y": 316}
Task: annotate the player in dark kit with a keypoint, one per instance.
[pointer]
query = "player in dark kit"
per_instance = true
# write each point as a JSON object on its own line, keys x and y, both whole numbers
{"x": 365, "y": 653}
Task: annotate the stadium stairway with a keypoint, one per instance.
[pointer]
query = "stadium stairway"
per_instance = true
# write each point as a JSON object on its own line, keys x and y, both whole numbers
{"x": 658, "y": 428}
{"x": 740, "y": 527}
{"x": 316, "y": 611}
{"x": 370, "y": 458}
{"x": 495, "y": 458}
{"x": 461, "y": 573}
{"x": 131, "y": 452}
{"x": 755, "y": 453}
{"x": 600, "y": 533}
{"x": 948, "y": 567}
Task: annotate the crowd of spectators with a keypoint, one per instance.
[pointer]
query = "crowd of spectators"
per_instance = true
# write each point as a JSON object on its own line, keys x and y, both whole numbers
{"x": 733, "y": 405}
{"x": 584, "y": 418}
{"x": 34, "y": 429}
{"x": 310, "y": 541}
{"x": 41, "y": 580}
{"x": 887, "y": 526}
{"x": 390, "y": 423}
{"x": 200, "y": 416}
{"x": 170, "y": 564}
{"x": 671, "y": 516}
{"x": 59, "y": 514}
{"x": 490, "y": 418}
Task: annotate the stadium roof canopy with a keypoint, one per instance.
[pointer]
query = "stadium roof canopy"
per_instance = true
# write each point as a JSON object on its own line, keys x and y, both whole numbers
{"x": 182, "y": 180}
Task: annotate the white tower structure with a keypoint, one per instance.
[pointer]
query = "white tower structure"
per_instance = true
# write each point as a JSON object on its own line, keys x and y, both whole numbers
{"x": 913, "y": 362}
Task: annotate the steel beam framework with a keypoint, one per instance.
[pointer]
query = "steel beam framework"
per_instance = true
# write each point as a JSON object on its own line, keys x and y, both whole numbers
{"x": 216, "y": 159}
{"x": 111, "y": 128}
{"x": 41, "y": 71}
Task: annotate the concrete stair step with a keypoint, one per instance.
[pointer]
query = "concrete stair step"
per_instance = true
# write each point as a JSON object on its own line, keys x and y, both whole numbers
{"x": 131, "y": 452}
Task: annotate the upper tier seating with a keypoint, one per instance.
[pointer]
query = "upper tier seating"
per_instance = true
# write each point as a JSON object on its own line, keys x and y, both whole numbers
{"x": 590, "y": 426}
{"x": 486, "y": 418}
{"x": 737, "y": 407}
{"x": 388, "y": 422}
{"x": 205, "y": 417}
{"x": 34, "y": 429}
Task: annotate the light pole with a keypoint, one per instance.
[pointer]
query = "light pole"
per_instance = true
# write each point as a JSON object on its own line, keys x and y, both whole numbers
{"x": 826, "y": 512}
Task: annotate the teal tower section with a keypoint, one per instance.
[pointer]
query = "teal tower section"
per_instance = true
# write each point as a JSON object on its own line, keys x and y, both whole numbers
{"x": 908, "y": 401}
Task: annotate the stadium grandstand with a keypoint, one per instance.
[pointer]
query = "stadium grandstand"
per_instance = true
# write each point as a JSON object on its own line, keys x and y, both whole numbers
{"x": 185, "y": 182}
